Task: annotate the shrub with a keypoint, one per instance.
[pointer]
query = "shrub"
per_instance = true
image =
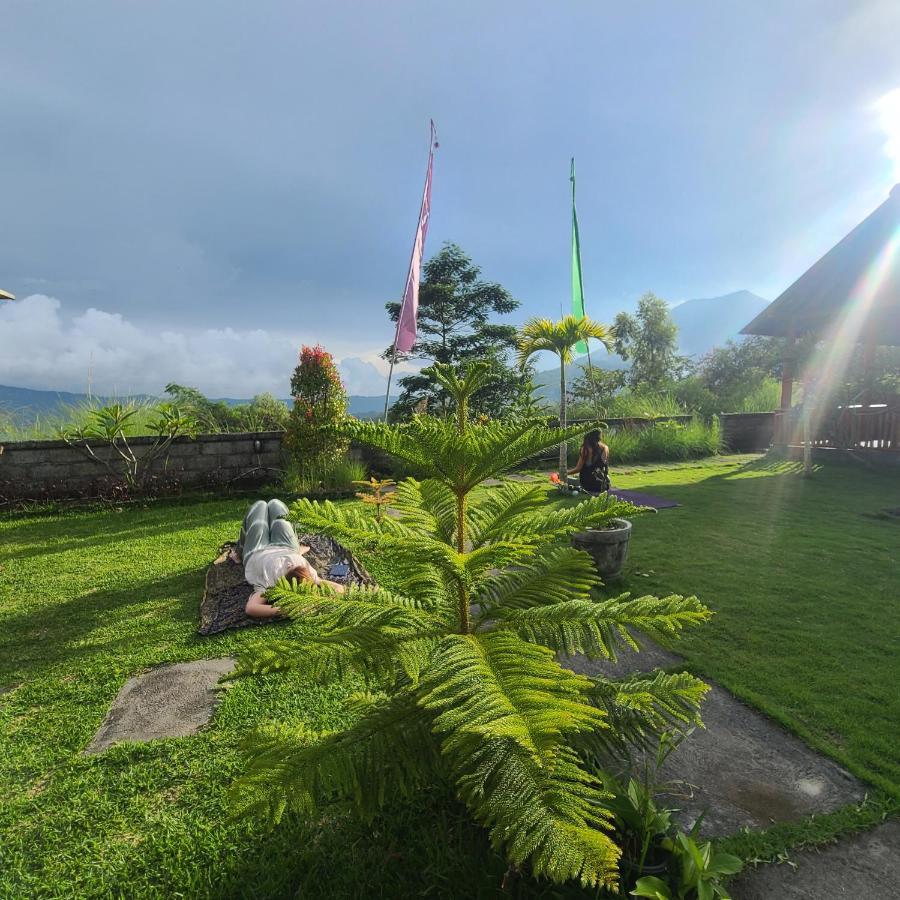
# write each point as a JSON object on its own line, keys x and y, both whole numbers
{"x": 479, "y": 592}
{"x": 663, "y": 441}
{"x": 324, "y": 477}
{"x": 320, "y": 403}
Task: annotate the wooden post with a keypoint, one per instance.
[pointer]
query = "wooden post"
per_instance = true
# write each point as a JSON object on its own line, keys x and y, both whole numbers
{"x": 788, "y": 363}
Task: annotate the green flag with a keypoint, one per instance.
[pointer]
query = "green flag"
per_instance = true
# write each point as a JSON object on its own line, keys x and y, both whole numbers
{"x": 577, "y": 284}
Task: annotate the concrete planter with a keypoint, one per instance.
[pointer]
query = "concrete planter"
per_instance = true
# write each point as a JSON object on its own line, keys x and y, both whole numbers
{"x": 607, "y": 546}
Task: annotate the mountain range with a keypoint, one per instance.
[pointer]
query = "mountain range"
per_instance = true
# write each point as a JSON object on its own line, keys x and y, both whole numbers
{"x": 27, "y": 405}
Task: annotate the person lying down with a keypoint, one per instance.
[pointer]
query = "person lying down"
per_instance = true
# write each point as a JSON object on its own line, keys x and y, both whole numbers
{"x": 269, "y": 550}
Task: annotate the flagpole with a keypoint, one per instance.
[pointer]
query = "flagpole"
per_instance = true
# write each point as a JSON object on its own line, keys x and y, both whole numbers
{"x": 413, "y": 271}
{"x": 576, "y": 253}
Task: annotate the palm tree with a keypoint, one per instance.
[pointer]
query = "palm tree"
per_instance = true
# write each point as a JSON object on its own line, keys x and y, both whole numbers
{"x": 560, "y": 338}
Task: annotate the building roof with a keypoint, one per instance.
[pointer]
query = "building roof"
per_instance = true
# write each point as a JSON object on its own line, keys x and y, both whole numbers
{"x": 860, "y": 273}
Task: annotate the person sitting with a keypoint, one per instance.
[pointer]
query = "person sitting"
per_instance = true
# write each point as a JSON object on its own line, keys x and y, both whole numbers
{"x": 592, "y": 468}
{"x": 269, "y": 550}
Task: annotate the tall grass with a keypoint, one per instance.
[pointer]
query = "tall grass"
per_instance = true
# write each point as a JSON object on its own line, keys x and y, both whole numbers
{"x": 71, "y": 416}
{"x": 662, "y": 442}
{"x": 627, "y": 404}
{"x": 317, "y": 479}
{"x": 763, "y": 398}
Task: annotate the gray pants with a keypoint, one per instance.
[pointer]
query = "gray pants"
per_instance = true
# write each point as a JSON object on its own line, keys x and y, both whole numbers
{"x": 264, "y": 526}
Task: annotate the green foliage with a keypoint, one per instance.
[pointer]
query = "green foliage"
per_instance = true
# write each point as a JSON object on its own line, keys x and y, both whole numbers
{"x": 649, "y": 339}
{"x": 700, "y": 871}
{"x": 454, "y": 328}
{"x": 664, "y": 441}
{"x": 318, "y": 477}
{"x": 263, "y": 413}
{"x": 478, "y": 594}
{"x": 108, "y": 426}
{"x": 77, "y": 623}
{"x": 320, "y": 403}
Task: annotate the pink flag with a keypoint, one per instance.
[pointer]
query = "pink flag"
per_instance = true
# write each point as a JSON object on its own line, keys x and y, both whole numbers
{"x": 409, "y": 310}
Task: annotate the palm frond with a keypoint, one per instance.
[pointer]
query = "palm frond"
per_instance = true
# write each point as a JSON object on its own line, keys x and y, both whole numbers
{"x": 504, "y": 710}
{"x": 428, "y": 506}
{"x": 655, "y": 617}
{"x": 491, "y": 512}
{"x": 386, "y": 753}
{"x": 661, "y": 700}
{"x": 461, "y": 460}
{"x": 554, "y": 576}
{"x": 539, "y": 525}
{"x": 496, "y": 685}
{"x": 560, "y": 337}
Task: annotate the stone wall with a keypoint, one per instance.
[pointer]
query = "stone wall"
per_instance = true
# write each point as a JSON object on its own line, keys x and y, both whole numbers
{"x": 747, "y": 432}
{"x": 53, "y": 469}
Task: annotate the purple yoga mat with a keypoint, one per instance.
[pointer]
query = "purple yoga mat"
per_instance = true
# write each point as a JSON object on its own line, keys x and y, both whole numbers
{"x": 639, "y": 499}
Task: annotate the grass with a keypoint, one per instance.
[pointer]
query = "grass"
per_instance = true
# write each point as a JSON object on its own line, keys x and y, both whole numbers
{"x": 804, "y": 585}
{"x": 665, "y": 441}
{"x": 807, "y": 622}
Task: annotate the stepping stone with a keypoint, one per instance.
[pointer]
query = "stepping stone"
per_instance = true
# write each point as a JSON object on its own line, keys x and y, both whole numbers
{"x": 742, "y": 769}
{"x": 168, "y": 701}
{"x": 864, "y": 866}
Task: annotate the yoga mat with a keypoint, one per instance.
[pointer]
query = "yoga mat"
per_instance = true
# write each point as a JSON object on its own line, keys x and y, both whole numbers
{"x": 639, "y": 499}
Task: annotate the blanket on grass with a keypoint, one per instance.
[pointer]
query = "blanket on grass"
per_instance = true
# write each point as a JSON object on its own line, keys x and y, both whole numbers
{"x": 225, "y": 593}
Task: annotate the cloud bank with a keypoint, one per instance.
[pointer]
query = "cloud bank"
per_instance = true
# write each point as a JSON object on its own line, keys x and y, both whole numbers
{"x": 43, "y": 348}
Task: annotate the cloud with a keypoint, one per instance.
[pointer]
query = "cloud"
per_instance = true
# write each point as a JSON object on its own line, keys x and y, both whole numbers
{"x": 362, "y": 376}
{"x": 43, "y": 348}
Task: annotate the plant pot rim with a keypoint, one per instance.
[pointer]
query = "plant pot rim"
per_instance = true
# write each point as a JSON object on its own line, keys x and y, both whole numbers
{"x": 615, "y": 526}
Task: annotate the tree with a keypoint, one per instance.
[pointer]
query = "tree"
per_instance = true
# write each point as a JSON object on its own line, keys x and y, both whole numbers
{"x": 650, "y": 340}
{"x": 320, "y": 403}
{"x": 559, "y": 338}
{"x": 478, "y": 593}
{"x": 454, "y": 326}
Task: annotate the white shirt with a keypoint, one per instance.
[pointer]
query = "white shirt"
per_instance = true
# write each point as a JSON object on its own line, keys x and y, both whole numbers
{"x": 266, "y": 566}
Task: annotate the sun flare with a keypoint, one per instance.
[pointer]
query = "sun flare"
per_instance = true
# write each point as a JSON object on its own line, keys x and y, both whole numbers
{"x": 887, "y": 109}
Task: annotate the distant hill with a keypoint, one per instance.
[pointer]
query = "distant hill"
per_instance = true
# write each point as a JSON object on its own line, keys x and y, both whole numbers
{"x": 708, "y": 323}
{"x": 27, "y": 404}
{"x": 702, "y": 325}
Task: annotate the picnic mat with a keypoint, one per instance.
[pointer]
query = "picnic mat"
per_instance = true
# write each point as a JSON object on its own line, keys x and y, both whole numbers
{"x": 225, "y": 593}
{"x": 639, "y": 499}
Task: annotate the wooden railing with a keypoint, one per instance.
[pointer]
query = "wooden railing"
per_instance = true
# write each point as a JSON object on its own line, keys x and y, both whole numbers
{"x": 845, "y": 428}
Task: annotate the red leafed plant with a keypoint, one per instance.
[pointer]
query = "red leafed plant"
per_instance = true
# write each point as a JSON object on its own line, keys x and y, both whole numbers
{"x": 320, "y": 402}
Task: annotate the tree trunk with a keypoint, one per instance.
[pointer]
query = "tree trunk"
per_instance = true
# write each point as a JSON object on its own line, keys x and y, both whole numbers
{"x": 563, "y": 450}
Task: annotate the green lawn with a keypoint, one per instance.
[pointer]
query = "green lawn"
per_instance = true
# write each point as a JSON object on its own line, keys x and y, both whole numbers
{"x": 807, "y": 625}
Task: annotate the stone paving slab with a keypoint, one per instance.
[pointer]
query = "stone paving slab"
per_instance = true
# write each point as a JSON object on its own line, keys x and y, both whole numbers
{"x": 862, "y": 866}
{"x": 742, "y": 769}
{"x": 168, "y": 701}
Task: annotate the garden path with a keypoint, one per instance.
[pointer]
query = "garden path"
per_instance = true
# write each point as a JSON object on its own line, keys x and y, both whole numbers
{"x": 742, "y": 769}
{"x": 864, "y": 866}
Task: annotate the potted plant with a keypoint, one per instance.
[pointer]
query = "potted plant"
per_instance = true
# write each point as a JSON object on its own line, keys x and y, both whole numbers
{"x": 607, "y": 546}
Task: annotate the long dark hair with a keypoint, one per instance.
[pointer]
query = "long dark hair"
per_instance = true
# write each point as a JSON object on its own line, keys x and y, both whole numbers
{"x": 590, "y": 446}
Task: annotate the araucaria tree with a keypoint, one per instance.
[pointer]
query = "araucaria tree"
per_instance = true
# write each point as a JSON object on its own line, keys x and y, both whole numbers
{"x": 560, "y": 338}
{"x": 455, "y": 327}
{"x": 320, "y": 403}
{"x": 479, "y": 592}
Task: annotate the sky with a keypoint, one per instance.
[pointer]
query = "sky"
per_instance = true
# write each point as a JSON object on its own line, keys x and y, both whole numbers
{"x": 190, "y": 191}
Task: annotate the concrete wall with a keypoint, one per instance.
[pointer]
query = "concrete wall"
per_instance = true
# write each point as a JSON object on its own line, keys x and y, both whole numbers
{"x": 53, "y": 469}
{"x": 747, "y": 432}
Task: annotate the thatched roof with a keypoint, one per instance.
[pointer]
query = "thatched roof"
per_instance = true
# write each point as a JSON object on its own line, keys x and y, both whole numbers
{"x": 6, "y": 296}
{"x": 863, "y": 268}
